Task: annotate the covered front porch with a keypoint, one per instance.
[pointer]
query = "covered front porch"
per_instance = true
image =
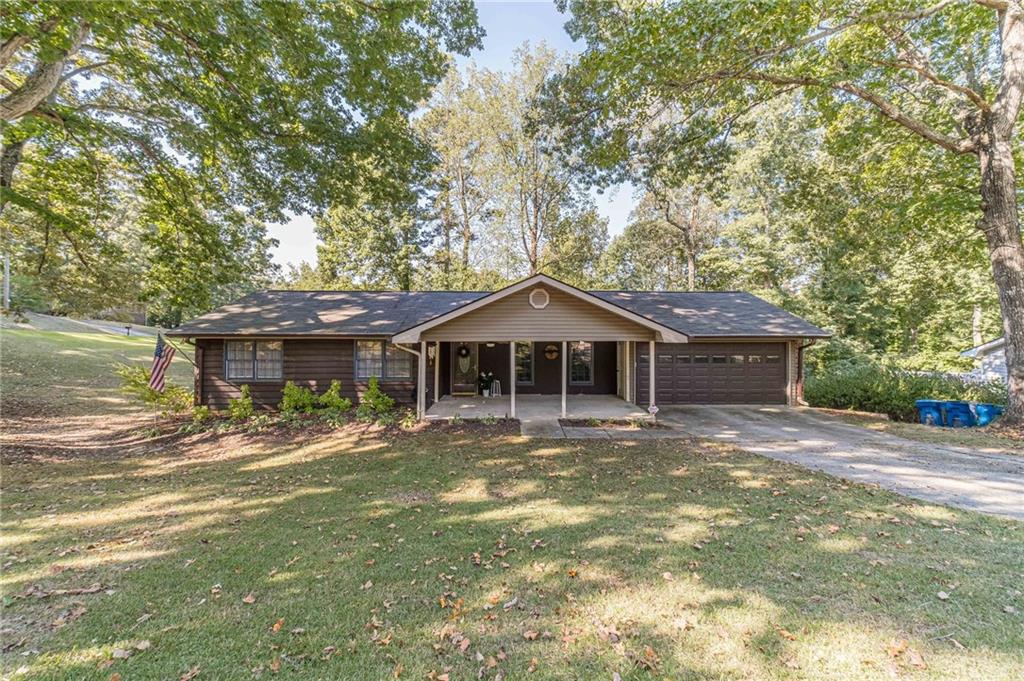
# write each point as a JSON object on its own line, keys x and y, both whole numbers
{"x": 531, "y": 408}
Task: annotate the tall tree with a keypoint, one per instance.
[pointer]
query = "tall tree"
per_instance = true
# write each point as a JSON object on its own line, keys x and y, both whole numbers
{"x": 950, "y": 73}
{"x": 689, "y": 212}
{"x": 218, "y": 114}
{"x": 534, "y": 192}
{"x": 370, "y": 246}
{"x": 461, "y": 197}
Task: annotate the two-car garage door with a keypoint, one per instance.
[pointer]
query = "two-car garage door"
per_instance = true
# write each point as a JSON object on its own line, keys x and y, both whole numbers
{"x": 715, "y": 373}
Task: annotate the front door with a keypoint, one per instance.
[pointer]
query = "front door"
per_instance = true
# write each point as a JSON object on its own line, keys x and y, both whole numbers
{"x": 464, "y": 368}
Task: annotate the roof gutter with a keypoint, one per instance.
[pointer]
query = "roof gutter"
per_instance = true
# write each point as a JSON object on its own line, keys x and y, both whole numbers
{"x": 800, "y": 372}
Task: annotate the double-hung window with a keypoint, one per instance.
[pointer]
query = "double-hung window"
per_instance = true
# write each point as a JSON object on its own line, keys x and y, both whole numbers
{"x": 380, "y": 359}
{"x": 581, "y": 363}
{"x": 524, "y": 363}
{"x": 253, "y": 360}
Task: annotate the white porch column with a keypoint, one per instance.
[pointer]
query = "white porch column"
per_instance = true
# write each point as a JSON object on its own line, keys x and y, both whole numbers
{"x": 512, "y": 378}
{"x": 564, "y": 373}
{"x": 421, "y": 381}
{"x": 627, "y": 370}
{"x": 650, "y": 366}
{"x": 437, "y": 371}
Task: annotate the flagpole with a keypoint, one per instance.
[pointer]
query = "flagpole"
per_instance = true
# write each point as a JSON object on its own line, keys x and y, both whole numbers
{"x": 180, "y": 351}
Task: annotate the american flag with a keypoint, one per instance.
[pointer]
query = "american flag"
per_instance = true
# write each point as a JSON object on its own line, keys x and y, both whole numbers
{"x": 161, "y": 360}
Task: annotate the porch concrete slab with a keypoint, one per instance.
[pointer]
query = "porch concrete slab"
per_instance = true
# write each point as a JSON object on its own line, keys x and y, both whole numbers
{"x": 539, "y": 414}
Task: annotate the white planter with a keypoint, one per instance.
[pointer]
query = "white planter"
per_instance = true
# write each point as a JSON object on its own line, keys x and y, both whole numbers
{"x": 487, "y": 392}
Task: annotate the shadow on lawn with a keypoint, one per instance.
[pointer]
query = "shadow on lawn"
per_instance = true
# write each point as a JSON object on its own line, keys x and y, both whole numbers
{"x": 680, "y": 557}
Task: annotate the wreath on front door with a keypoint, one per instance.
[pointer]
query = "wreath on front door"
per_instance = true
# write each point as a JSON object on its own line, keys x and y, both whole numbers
{"x": 463, "y": 353}
{"x": 551, "y": 352}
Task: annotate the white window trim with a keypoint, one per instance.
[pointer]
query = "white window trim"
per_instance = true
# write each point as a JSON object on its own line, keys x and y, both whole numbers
{"x": 254, "y": 377}
{"x": 539, "y": 298}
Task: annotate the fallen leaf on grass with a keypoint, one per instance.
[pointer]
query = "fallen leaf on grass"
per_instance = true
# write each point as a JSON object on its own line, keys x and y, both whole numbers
{"x": 896, "y": 647}
{"x": 667, "y": 576}
{"x": 943, "y": 596}
{"x": 530, "y": 635}
{"x": 368, "y": 585}
{"x": 277, "y": 625}
{"x": 249, "y": 598}
{"x": 143, "y": 645}
{"x": 190, "y": 674}
{"x": 786, "y": 634}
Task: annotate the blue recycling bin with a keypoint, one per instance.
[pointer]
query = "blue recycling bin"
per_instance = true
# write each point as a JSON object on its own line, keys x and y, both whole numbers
{"x": 929, "y": 412}
{"x": 959, "y": 414}
{"x": 986, "y": 413}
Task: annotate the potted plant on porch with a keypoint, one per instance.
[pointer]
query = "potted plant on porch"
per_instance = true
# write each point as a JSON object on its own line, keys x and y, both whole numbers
{"x": 486, "y": 380}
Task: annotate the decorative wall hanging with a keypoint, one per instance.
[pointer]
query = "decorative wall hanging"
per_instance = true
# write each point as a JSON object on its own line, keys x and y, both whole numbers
{"x": 551, "y": 351}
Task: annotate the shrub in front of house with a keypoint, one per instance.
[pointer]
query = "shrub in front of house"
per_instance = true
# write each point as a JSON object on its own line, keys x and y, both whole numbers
{"x": 886, "y": 390}
{"x": 375, "y": 404}
{"x": 241, "y": 407}
{"x": 135, "y": 382}
{"x": 297, "y": 399}
{"x": 332, "y": 399}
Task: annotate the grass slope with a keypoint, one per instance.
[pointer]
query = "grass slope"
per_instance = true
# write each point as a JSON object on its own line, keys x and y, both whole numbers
{"x": 62, "y": 373}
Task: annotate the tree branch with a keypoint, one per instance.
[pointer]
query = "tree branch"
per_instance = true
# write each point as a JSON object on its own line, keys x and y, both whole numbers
{"x": 884, "y": 106}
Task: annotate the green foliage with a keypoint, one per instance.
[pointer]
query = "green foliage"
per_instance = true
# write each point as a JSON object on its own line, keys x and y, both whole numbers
{"x": 297, "y": 399}
{"x": 201, "y": 413}
{"x": 407, "y": 420}
{"x": 241, "y": 408}
{"x": 887, "y": 390}
{"x": 375, "y": 404}
{"x": 333, "y": 400}
{"x": 181, "y": 127}
{"x": 135, "y": 382}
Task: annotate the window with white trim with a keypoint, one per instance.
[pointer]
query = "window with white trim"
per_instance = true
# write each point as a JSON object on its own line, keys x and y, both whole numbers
{"x": 524, "y": 363}
{"x": 581, "y": 363}
{"x": 397, "y": 362}
{"x": 253, "y": 360}
{"x": 380, "y": 359}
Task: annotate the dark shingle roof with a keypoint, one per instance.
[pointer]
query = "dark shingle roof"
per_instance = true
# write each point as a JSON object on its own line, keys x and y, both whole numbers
{"x": 713, "y": 313}
{"x": 325, "y": 313}
{"x": 384, "y": 313}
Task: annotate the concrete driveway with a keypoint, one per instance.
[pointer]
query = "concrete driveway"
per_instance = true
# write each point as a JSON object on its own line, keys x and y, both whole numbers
{"x": 956, "y": 476}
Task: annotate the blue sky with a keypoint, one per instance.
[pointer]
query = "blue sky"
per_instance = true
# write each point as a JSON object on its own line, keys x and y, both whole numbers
{"x": 508, "y": 25}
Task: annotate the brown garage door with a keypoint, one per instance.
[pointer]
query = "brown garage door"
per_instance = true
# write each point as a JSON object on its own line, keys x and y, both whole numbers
{"x": 716, "y": 373}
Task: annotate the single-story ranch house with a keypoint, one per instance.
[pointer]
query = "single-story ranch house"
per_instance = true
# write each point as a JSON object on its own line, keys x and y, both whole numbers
{"x": 427, "y": 346}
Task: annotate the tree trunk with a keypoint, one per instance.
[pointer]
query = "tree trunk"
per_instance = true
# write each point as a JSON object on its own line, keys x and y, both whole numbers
{"x": 976, "y": 336}
{"x": 1000, "y": 223}
{"x": 10, "y": 157}
{"x": 691, "y": 271}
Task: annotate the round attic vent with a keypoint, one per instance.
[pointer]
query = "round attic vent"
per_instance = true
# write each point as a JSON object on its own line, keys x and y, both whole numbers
{"x": 539, "y": 298}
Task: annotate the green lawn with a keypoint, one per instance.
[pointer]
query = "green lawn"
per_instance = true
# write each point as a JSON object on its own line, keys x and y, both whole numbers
{"x": 360, "y": 555}
{"x": 61, "y": 373}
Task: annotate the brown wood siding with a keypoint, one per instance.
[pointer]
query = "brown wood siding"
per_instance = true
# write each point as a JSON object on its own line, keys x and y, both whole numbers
{"x": 513, "y": 318}
{"x": 679, "y": 381}
{"x": 312, "y": 363}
